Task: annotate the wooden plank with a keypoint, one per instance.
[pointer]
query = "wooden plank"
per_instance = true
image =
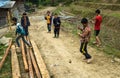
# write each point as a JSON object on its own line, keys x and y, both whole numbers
{"x": 40, "y": 61}
{"x": 15, "y": 63}
{"x": 35, "y": 65}
{"x": 24, "y": 56}
{"x": 31, "y": 74}
{"x": 37, "y": 71}
{"x": 6, "y": 53}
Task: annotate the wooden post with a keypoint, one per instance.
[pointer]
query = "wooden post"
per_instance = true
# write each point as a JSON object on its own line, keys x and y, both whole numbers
{"x": 6, "y": 53}
{"x": 34, "y": 63}
{"x": 40, "y": 62}
{"x": 24, "y": 56}
{"x": 15, "y": 63}
{"x": 31, "y": 74}
{"x": 37, "y": 71}
{"x": 9, "y": 19}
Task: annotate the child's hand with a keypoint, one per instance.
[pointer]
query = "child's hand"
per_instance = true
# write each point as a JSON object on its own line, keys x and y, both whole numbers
{"x": 92, "y": 21}
{"x": 78, "y": 27}
{"x": 79, "y": 34}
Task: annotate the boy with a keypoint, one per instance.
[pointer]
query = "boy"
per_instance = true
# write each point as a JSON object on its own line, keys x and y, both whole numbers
{"x": 21, "y": 33}
{"x": 49, "y": 20}
{"x": 57, "y": 23}
{"x": 85, "y": 37}
{"x": 25, "y": 23}
{"x": 97, "y": 21}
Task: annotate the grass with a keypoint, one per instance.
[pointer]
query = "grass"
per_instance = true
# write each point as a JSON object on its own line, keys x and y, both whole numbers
{"x": 96, "y": 5}
{"x": 57, "y": 10}
{"x": 117, "y": 15}
{"x": 2, "y": 49}
{"x": 6, "y": 71}
{"x": 10, "y": 34}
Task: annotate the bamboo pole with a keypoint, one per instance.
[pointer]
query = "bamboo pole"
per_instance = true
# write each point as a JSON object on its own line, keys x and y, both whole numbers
{"x": 15, "y": 63}
{"x": 24, "y": 56}
{"x": 34, "y": 63}
{"x": 31, "y": 74}
{"x": 6, "y": 53}
{"x": 30, "y": 67}
{"x": 40, "y": 61}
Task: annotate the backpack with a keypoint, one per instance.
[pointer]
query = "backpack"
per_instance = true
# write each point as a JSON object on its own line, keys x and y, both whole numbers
{"x": 20, "y": 29}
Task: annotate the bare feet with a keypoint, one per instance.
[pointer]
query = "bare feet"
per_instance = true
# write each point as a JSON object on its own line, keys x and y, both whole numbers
{"x": 89, "y": 60}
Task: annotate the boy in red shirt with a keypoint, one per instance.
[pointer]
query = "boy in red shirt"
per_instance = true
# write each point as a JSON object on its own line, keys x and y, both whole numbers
{"x": 97, "y": 21}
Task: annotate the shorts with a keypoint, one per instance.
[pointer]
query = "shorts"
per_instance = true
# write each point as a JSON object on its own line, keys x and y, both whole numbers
{"x": 97, "y": 32}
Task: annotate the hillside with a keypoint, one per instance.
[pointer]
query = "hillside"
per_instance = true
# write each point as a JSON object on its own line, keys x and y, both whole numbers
{"x": 103, "y": 1}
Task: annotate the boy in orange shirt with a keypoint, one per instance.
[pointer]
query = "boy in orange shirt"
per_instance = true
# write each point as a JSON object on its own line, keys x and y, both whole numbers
{"x": 49, "y": 20}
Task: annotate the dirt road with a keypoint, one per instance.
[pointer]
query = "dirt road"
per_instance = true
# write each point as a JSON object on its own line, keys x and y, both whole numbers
{"x": 62, "y": 55}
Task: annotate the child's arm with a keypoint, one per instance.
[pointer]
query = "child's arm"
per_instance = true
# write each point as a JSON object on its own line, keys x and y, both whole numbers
{"x": 85, "y": 33}
{"x": 93, "y": 20}
{"x": 59, "y": 21}
{"x": 80, "y": 28}
{"x": 45, "y": 18}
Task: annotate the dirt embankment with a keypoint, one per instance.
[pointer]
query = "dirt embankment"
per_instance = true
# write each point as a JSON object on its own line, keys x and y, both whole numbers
{"x": 63, "y": 58}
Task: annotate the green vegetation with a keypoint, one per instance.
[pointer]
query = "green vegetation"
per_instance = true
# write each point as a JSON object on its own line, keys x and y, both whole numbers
{"x": 117, "y": 15}
{"x": 102, "y": 1}
{"x": 7, "y": 65}
{"x": 6, "y": 71}
{"x": 10, "y": 34}
{"x": 114, "y": 7}
{"x": 49, "y": 2}
{"x": 67, "y": 2}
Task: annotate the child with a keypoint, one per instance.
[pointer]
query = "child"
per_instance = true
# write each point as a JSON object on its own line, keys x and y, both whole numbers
{"x": 49, "y": 20}
{"x": 25, "y": 23}
{"x": 57, "y": 23}
{"x": 21, "y": 33}
{"x": 85, "y": 37}
{"x": 97, "y": 23}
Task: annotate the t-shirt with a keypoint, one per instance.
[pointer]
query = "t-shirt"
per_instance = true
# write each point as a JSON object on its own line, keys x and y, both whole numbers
{"x": 98, "y": 20}
{"x": 57, "y": 22}
{"x": 86, "y": 33}
{"x": 48, "y": 18}
{"x": 19, "y": 29}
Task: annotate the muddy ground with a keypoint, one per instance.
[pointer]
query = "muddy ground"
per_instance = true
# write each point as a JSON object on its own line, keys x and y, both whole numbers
{"x": 62, "y": 55}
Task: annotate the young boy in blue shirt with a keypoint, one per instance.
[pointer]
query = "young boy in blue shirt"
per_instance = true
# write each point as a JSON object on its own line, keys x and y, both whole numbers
{"x": 20, "y": 32}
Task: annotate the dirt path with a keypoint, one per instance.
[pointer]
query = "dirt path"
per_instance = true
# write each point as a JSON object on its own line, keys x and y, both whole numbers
{"x": 62, "y": 55}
